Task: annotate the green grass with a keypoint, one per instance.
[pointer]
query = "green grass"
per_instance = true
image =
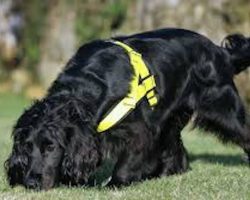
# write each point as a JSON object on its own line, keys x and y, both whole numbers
{"x": 218, "y": 171}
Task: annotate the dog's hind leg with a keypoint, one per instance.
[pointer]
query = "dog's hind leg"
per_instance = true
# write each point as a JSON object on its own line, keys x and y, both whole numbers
{"x": 222, "y": 112}
{"x": 173, "y": 157}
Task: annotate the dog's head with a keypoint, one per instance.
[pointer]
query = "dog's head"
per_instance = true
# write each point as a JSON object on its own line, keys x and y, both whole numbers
{"x": 50, "y": 149}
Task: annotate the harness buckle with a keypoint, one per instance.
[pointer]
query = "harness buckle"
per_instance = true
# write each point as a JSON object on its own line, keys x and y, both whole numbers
{"x": 149, "y": 83}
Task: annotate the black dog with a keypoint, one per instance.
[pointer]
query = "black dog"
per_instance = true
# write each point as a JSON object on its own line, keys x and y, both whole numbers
{"x": 55, "y": 141}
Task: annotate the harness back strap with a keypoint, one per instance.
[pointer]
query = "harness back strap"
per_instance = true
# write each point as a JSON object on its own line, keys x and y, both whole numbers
{"x": 138, "y": 90}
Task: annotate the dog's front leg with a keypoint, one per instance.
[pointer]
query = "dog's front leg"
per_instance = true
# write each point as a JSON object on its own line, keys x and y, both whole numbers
{"x": 127, "y": 169}
{"x": 133, "y": 167}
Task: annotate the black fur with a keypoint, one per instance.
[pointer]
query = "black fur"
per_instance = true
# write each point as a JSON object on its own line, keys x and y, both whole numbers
{"x": 55, "y": 140}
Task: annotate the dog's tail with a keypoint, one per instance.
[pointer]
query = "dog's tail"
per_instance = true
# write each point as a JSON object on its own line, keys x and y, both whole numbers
{"x": 238, "y": 47}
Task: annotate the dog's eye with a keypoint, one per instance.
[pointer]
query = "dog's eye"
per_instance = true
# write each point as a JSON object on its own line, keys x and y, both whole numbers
{"x": 50, "y": 147}
{"x": 28, "y": 146}
{"x": 47, "y": 146}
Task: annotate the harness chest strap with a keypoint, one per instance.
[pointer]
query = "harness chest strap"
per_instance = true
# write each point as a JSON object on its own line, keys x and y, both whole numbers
{"x": 137, "y": 91}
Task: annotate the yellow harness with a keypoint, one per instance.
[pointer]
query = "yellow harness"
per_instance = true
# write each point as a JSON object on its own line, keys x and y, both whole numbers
{"x": 137, "y": 91}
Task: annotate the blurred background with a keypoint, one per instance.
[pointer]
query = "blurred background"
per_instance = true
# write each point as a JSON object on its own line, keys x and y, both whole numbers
{"x": 38, "y": 37}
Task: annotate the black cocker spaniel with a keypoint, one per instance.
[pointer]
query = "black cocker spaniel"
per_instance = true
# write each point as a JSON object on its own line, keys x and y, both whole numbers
{"x": 55, "y": 140}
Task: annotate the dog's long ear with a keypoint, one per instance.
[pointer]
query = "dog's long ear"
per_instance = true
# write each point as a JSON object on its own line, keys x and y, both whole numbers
{"x": 81, "y": 156}
{"x": 16, "y": 165}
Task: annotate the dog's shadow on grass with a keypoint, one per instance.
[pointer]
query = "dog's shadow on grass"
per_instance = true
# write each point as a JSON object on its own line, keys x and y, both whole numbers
{"x": 227, "y": 160}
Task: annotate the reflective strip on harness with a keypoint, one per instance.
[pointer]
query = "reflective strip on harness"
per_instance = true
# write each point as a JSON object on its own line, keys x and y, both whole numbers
{"x": 137, "y": 91}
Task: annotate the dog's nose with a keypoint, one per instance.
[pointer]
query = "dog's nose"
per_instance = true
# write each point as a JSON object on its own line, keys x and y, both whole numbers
{"x": 32, "y": 184}
{"x": 33, "y": 181}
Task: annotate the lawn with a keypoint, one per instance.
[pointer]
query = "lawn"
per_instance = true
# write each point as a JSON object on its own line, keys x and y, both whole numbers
{"x": 218, "y": 171}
